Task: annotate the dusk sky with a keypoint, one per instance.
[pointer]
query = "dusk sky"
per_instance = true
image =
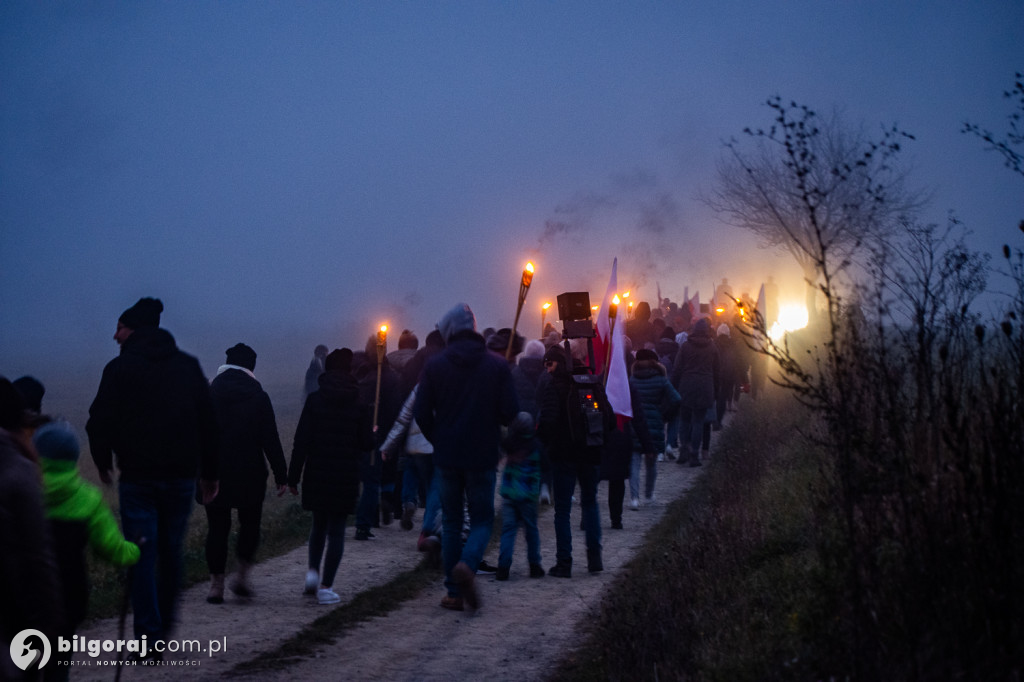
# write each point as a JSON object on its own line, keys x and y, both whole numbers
{"x": 293, "y": 173}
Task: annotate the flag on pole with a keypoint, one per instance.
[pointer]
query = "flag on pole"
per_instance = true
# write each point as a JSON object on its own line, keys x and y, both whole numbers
{"x": 617, "y": 387}
{"x": 694, "y": 304}
{"x": 762, "y": 308}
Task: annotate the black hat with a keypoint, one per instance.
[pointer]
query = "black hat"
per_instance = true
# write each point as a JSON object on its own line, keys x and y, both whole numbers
{"x": 646, "y": 354}
{"x": 241, "y": 355}
{"x": 12, "y": 406}
{"x": 339, "y": 360}
{"x": 555, "y": 354}
{"x": 145, "y": 313}
{"x": 32, "y": 390}
{"x": 498, "y": 341}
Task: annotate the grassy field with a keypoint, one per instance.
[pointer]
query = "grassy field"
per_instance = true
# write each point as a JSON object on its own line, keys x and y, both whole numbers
{"x": 727, "y": 586}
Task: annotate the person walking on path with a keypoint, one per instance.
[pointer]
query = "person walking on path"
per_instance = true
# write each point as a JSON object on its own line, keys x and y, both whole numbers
{"x": 572, "y": 460}
{"x": 520, "y": 490}
{"x": 659, "y": 403}
{"x": 153, "y": 410}
{"x": 78, "y": 518}
{"x": 695, "y": 373}
{"x": 334, "y": 432}
{"x": 248, "y": 440}
{"x": 464, "y": 397}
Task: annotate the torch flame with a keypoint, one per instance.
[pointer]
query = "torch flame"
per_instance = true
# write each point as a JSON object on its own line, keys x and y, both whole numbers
{"x": 384, "y": 329}
{"x": 546, "y": 306}
{"x": 527, "y": 275}
{"x": 616, "y": 300}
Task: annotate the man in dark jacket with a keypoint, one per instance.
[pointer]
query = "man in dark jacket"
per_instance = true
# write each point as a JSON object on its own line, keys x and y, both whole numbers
{"x": 695, "y": 374}
{"x": 572, "y": 461}
{"x": 464, "y": 397}
{"x": 248, "y": 440}
{"x": 153, "y": 409}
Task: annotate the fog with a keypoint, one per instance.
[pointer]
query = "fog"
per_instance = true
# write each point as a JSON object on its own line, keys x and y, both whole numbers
{"x": 287, "y": 174}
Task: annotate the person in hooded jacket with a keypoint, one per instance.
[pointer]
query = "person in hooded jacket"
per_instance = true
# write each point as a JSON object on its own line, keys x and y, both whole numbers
{"x": 695, "y": 374}
{"x": 153, "y": 409}
{"x": 248, "y": 440}
{"x": 526, "y": 376}
{"x": 666, "y": 348}
{"x": 334, "y": 432}
{"x": 639, "y": 328}
{"x": 659, "y": 403}
{"x": 78, "y": 518}
{"x": 464, "y": 397}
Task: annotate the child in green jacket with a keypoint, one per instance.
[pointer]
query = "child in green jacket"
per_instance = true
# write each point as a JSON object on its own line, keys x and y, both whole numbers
{"x": 77, "y": 517}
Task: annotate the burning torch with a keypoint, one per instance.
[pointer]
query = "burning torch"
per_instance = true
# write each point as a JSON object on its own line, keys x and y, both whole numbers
{"x": 382, "y": 339}
{"x": 524, "y": 286}
{"x": 543, "y": 315}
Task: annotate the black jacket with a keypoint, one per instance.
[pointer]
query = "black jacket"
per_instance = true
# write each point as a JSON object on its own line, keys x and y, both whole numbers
{"x": 248, "y": 440}
{"x": 553, "y": 423}
{"x": 334, "y": 431}
{"x": 154, "y": 410}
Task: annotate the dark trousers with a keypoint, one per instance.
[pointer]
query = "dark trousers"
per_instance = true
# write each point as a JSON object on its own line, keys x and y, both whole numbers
{"x": 616, "y": 494}
{"x": 219, "y": 520}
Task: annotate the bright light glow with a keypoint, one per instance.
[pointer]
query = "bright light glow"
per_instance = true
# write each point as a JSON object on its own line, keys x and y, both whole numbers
{"x": 384, "y": 329}
{"x": 529, "y": 267}
{"x": 616, "y": 300}
{"x": 792, "y": 316}
{"x": 625, "y": 295}
{"x": 546, "y": 306}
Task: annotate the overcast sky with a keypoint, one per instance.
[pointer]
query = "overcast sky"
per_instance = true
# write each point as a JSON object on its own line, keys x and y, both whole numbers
{"x": 304, "y": 171}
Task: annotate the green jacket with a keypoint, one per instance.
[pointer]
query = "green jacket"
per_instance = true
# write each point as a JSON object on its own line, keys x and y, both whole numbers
{"x": 78, "y": 516}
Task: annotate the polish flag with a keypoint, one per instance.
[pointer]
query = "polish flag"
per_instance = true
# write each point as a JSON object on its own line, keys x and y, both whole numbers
{"x": 617, "y": 386}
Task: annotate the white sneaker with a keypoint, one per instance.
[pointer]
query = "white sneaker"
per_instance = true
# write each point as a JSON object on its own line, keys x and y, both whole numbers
{"x": 634, "y": 503}
{"x": 661, "y": 456}
{"x": 545, "y": 494}
{"x": 327, "y": 596}
{"x": 312, "y": 580}
{"x": 648, "y": 501}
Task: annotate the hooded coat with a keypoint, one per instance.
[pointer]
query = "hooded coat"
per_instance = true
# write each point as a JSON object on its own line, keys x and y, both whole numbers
{"x": 154, "y": 410}
{"x": 333, "y": 433}
{"x": 658, "y": 399}
{"x": 696, "y": 368}
{"x": 464, "y": 397}
{"x": 248, "y": 440}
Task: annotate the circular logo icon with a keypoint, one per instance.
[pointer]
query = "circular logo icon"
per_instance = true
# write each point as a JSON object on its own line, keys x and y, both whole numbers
{"x": 24, "y": 654}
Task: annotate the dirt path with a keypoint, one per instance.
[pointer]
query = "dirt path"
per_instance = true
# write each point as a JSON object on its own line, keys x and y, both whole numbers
{"x": 522, "y": 629}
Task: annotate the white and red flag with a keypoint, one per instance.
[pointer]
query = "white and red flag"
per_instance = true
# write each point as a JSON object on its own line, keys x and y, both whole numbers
{"x": 617, "y": 386}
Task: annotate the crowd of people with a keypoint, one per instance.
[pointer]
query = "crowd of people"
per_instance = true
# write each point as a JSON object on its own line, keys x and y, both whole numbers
{"x": 382, "y": 435}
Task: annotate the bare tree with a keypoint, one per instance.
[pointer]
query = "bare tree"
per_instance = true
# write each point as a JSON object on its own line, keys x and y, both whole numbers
{"x": 814, "y": 188}
{"x": 1011, "y": 144}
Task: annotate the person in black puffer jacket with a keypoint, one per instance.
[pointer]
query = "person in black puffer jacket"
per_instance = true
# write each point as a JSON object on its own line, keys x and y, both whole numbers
{"x": 248, "y": 440}
{"x": 334, "y": 431}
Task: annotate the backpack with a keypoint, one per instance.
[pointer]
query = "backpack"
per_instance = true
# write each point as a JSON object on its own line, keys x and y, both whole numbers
{"x": 587, "y": 403}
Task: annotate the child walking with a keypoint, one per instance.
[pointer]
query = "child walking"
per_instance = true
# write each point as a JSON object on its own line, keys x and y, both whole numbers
{"x": 520, "y": 490}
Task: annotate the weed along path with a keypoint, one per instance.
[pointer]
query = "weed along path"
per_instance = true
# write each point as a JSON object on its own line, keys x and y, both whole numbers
{"x": 389, "y": 624}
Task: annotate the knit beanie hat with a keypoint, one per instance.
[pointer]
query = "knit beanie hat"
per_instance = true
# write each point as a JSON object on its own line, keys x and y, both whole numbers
{"x": 534, "y": 349}
{"x": 56, "y": 440}
{"x": 522, "y": 426}
{"x": 498, "y": 341}
{"x": 458, "y": 319}
{"x": 145, "y": 313}
{"x": 646, "y": 354}
{"x": 723, "y": 329}
{"x": 339, "y": 360}
{"x": 241, "y": 355}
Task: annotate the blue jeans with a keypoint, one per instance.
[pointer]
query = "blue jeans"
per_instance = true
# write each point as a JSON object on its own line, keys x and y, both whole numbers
{"x": 419, "y": 471}
{"x": 651, "y": 464}
{"x": 565, "y": 475}
{"x": 157, "y": 511}
{"x": 477, "y": 488}
{"x": 691, "y": 430}
{"x": 514, "y": 513}
{"x": 368, "y": 507}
